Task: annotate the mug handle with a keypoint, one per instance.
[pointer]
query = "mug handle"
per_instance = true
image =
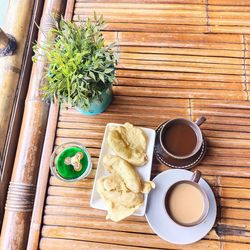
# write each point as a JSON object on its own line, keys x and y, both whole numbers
{"x": 196, "y": 176}
{"x": 200, "y": 120}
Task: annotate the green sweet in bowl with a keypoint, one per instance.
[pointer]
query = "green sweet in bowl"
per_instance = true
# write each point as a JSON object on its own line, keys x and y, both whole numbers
{"x": 63, "y": 162}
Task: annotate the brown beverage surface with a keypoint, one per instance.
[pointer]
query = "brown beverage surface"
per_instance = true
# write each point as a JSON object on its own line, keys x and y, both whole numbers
{"x": 180, "y": 139}
{"x": 185, "y": 203}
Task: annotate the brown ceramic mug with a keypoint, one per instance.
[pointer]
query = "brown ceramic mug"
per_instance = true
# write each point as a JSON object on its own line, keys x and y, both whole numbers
{"x": 186, "y": 202}
{"x": 181, "y": 138}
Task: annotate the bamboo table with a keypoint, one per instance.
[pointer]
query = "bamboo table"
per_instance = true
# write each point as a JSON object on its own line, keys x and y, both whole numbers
{"x": 178, "y": 58}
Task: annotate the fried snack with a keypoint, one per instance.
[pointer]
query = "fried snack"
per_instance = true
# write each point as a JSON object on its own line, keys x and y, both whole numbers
{"x": 147, "y": 186}
{"x": 129, "y": 175}
{"x": 122, "y": 191}
{"x": 120, "y": 201}
{"x": 129, "y": 142}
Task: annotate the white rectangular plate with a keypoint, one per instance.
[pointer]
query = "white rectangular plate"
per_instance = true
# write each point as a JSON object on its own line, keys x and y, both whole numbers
{"x": 144, "y": 171}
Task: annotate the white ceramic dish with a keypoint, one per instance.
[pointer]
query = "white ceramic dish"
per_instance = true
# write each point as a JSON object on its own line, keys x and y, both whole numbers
{"x": 159, "y": 220}
{"x": 144, "y": 171}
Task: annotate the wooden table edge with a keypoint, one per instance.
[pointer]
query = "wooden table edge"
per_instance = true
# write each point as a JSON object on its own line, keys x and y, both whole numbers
{"x": 43, "y": 175}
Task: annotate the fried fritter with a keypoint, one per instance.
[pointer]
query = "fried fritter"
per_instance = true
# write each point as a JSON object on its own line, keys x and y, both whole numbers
{"x": 129, "y": 142}
{"x": 122, "y": 191}
{"x": 130, "y": 177}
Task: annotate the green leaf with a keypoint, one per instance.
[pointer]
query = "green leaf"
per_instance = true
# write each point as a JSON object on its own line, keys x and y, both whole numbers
{"x": 108, "y": 70}
{"x": 92, "y": 75}
{"x": 101, "y": 76}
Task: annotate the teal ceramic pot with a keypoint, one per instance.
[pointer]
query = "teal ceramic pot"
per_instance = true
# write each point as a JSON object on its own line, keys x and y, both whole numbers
{"x": 97, "y": 106}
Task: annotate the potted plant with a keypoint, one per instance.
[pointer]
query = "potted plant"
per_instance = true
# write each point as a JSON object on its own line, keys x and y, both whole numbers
{"x": 81, "y": 68}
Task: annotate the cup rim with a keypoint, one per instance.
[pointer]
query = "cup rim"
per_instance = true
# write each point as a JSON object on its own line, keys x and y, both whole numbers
{"x": 84, "y": 174}
{"x": 197, "y": 131}
{"x": 205, "y": 198}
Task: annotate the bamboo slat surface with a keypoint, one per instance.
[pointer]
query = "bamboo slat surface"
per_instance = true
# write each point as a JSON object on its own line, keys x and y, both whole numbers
{"x": 182, "y": 58}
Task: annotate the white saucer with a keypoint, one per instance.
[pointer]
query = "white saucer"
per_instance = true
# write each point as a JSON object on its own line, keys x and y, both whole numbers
{"x": 162, "y": 224}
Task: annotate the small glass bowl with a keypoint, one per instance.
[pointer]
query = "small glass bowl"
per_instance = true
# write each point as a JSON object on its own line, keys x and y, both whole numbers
{"x": 58, "y": 150}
